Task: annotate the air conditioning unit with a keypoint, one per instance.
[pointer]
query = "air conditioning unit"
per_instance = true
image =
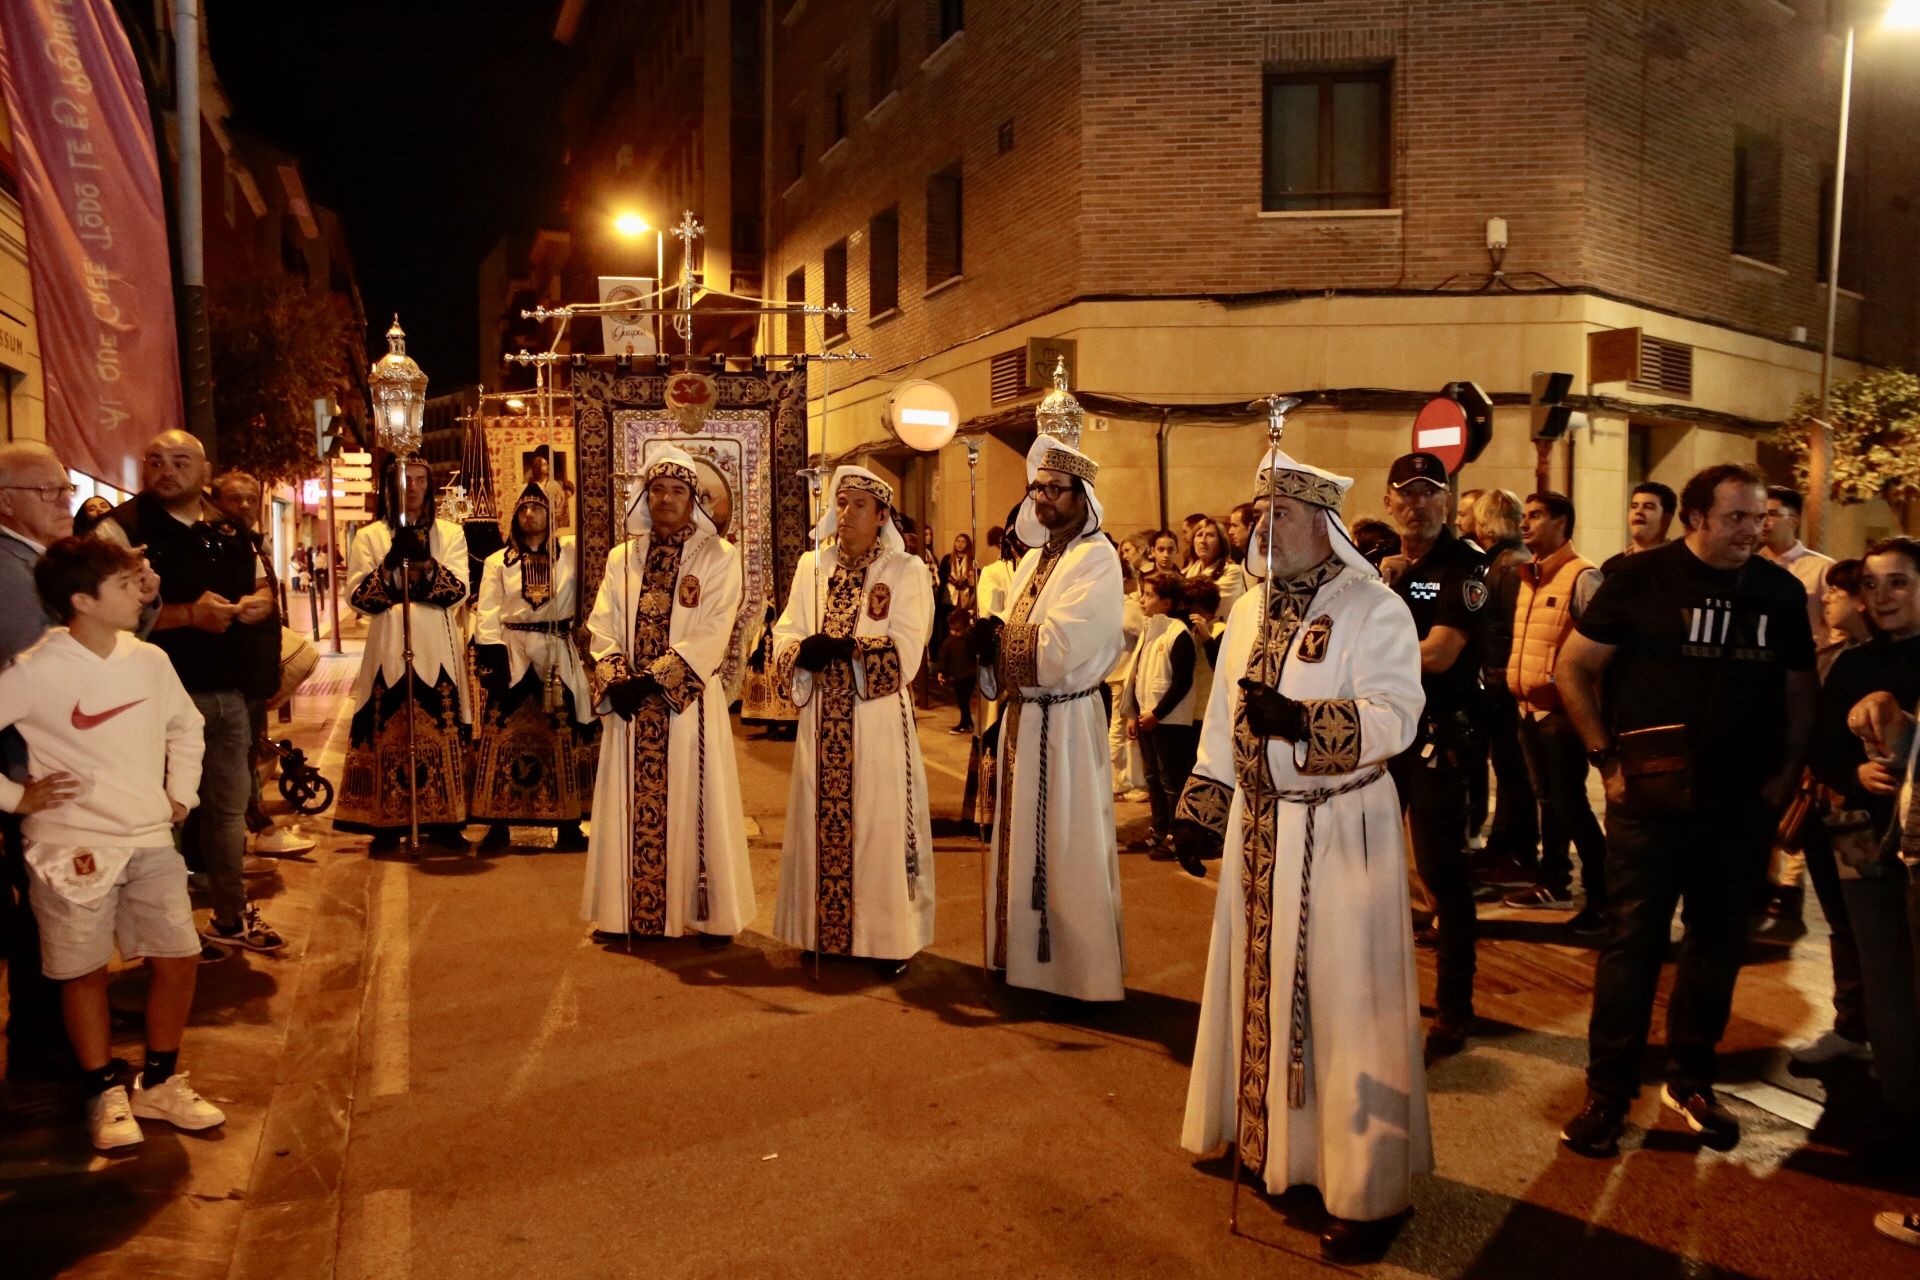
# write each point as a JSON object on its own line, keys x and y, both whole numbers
{"x": 1657, "y": 366}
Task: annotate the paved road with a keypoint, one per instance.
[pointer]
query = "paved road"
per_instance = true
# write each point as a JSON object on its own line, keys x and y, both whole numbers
{"x": 451, "y": 1079}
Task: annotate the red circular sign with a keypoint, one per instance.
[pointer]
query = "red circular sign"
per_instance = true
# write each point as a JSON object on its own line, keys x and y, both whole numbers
{"x": 1440, "y": 428}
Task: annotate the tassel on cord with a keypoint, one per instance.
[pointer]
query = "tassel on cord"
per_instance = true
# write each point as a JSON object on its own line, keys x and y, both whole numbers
{"x": 700, "y": 900}
{"x": 1046, "y": 941}
{"x": 1297, "y": 1085}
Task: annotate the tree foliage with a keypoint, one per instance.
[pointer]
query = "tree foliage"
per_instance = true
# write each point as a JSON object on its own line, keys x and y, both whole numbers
{"x": 278, "y": 345}
{"x": 1875, "y": 433}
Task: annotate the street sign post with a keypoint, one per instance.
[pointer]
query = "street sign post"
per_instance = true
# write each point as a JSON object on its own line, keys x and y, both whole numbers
{"x": 1440, "y": 428}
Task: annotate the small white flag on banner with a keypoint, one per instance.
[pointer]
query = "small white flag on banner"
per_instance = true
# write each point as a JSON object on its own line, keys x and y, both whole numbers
{"x": 627, "y": 334}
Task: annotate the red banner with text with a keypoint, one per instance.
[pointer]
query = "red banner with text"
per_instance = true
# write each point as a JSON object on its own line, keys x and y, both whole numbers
{"x": 96, "y": 233}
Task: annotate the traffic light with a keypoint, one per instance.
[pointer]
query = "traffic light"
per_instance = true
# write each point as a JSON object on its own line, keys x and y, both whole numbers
{"x": 1478, "y": 406}
{"x": 1553, "y": 417}
{"x": 327, "y": 426}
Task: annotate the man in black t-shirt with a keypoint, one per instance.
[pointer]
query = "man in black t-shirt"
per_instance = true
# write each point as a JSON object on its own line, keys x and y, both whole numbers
{"x": 1700, "y": 633}
{"x": 1443, "y": 580}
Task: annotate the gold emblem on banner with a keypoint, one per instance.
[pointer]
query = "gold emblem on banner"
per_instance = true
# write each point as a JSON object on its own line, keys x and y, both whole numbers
{"x": 691, "y": 397}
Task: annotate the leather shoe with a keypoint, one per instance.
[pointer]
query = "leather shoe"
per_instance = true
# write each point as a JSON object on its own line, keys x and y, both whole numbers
{"x": 1444, "y": 1039}
{"x": 1347, "y": 1241}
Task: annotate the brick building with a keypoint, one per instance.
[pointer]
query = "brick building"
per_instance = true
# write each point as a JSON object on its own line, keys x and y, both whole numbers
{"x": 1204, "y": 203}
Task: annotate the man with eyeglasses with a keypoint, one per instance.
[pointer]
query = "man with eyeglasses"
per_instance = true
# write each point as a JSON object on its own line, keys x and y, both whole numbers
{"x": 1053, "y": 872}
{"x": 215, "y": 603}
{"x": 36, "y": 511}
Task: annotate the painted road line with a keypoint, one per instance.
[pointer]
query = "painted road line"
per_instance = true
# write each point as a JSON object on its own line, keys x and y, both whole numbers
{"x": 391, "y": 989}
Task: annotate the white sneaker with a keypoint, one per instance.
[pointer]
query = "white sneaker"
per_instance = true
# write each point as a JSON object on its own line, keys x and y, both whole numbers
{"x": 176, "y": 1103}
{"x": 283, "y": 840}
{"x": 1898, "y": 1226}
{"x": 1829, "y": 1046}
{"x": 110, "y": 1122}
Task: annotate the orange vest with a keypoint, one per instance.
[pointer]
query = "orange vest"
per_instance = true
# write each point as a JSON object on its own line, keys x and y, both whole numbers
{"x": 1542, "y": 621}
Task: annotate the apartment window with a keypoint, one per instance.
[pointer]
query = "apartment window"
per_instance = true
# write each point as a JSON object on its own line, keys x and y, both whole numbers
{"x": 885, "y": 54}
{"x": 796, "y": 147}
{"x": 948, "y": 18}
{"x": 883, "y": 262}
{"x": 837, "y": 112}
{"x": 1326, "y": 144}
{"x": 796, "y": 320}
{"x": 1756, "y": 194}
{"x": 834, "y": 269}
{"x": 1849, "y": 231}
{"x": 944, "y": 226}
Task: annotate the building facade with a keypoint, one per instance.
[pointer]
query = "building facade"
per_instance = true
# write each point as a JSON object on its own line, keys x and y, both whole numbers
{"x": 1202, "y": 203}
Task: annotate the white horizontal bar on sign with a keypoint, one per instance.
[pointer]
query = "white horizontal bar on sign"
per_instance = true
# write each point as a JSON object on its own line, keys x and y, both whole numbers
{"x": 1440, "y": 437}
{"x": 926, "y": 417}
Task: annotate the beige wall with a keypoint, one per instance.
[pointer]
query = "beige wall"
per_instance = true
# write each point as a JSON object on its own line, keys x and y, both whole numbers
{"x": 19, "y": 340}
{"x": 1201, "y": 352}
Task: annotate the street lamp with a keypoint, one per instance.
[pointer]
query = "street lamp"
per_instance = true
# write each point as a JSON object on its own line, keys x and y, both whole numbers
{"x": 399, "y": 395}
{"x": 1900, "y": 15}
{"x": 631, "y": 226}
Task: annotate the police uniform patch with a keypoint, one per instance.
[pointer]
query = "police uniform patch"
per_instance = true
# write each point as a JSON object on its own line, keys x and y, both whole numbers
{"x": 879, "y": 601}
{"x": 1314, "y": 639}
{"x": 689, "y": 592}
{"x": 1475, "y": 592}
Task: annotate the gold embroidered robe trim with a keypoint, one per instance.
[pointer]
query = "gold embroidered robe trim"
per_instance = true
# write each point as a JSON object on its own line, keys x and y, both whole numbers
{"x": 1019, "y": 655}
{"x": 1285, "y": 612}
{"x": 373, "y": 785}
{"x": 834, "y": 699}
{"x": 608, "y": 672}
{"x": 1018, "y": 626}
{"x": 1333, "y": 736}
{"x": 446, "y": 591}
{"x": 678, "y": 682}
{"x": 652, "y": 619}
{"x": 879, "y": 665}
{"x": 1206, "y": 803}
{"x": 784, "y": 663}
{"x": 373, "y": 595}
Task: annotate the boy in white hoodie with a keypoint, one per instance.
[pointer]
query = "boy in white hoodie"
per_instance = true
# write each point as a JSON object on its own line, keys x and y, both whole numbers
{"x": 113, "y": 747}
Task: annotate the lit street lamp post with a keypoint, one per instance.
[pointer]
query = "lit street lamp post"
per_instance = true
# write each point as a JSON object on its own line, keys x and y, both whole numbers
{"x": 631, "y": 226}
{"x": 1900, "y": 15}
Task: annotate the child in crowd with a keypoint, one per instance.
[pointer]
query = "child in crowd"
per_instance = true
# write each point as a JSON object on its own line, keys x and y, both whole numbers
{"x": 1159, "y": 700}
{"x": 958, "y": 671}
{"x": 114, "y": 746}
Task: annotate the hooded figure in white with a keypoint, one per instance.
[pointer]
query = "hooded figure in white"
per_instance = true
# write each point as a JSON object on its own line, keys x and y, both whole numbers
{"x": 1053, "y": 873}
{"x": 1308, "y": 1053}
{"x": 856, "y": 867}
{"x": 668, "y": 849}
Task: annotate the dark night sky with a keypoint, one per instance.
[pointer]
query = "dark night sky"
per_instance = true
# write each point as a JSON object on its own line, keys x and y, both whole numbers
{"x": 458, "y": 101}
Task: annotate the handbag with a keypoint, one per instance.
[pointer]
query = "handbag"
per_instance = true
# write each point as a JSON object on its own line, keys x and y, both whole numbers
{"x": 1657, "y": 766}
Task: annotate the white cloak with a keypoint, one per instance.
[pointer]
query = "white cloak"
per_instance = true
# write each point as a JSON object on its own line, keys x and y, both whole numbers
{"x": 888, "y": 922}
{"x": 1069, "y": 640}
{"x": 501, "y": 602}
{"x": 439, "y": 644}
{"x": 698, "y": 635}
{"x": 1363, "y": 1132}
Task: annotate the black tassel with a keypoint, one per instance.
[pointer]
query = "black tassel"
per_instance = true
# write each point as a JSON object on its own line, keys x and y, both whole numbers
{"x": 700, "y": 900}
{"x": 1039, "y": 902}
{"x": 1046, "y": 942}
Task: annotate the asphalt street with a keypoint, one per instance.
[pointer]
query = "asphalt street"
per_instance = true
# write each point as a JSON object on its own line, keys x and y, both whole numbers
{"x": 447, "y": 1076}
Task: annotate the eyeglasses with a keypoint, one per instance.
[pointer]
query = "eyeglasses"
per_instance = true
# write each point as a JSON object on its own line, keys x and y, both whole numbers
{"x": 47, "y": 492}
{"x": 1051, "y": 492}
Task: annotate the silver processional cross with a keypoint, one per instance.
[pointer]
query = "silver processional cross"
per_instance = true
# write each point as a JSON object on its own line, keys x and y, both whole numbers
{"x": 687, "y": 232}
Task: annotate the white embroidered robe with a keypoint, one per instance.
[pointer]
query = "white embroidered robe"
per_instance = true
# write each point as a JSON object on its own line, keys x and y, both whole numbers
{"x": 1061, "y": 641}
{"x": 502, "y": 603}
{"x": 1363, "y": 1132}
{"x": 439, "y": 644}
{"x": 666, "y": 802}
{"x": 856, "y": 866}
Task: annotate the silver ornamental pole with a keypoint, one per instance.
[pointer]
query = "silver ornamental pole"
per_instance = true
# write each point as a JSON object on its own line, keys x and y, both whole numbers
{"x": 406, "y": 667}
{"x": 816, "y": 477}
{"x": 1277, "y": 408}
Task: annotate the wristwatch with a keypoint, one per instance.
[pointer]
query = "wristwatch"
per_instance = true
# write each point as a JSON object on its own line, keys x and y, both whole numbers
{"x": 1598, "y": 756}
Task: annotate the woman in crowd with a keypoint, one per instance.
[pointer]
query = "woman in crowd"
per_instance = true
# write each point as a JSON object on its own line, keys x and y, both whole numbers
{"x": 959, "y": 575}
{"x": 1212, "y": 563}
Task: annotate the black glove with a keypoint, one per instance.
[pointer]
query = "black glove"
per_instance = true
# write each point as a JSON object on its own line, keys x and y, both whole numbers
{"x": 492, "y": 666}
{"x": 983, "y": 641}
{"x": 820, "y": 650}
{"x": 1193, "y": 841}
{"x": 1272, "y": 714}
{"x": 628, "y": 694}
{"x": 408, "y": 544}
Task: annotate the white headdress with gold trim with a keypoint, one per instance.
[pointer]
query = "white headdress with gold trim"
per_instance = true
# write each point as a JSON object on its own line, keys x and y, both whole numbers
{"x": 1282, "y": 476}
{"x": 677, "y": 464}
{"x": 1050, "y": 454}
{"x": 865, "y": 481}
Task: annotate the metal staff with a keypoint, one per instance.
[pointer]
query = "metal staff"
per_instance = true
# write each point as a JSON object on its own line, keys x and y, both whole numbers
{"x": 1277, "y": 408}
{"x": 816, "y": 477}
{"x": 406, "y": 660}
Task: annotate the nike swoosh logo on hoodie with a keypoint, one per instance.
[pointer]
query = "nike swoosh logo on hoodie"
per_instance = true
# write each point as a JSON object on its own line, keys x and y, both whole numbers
{"x": 81, "y": 720}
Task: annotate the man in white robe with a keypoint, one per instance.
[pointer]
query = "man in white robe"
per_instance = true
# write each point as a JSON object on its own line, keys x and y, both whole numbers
{"x": 1308, "y": 1056}
{"x": 1053, "y": 871}
{"x": 533, "y": 751}
{"x": 856, "y": 866}
{"x": 667, "y": 854}
{"x": 407, "y": 572}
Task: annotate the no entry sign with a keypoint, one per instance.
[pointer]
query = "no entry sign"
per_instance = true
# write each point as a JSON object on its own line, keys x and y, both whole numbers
{"x": 1440, "y": 428}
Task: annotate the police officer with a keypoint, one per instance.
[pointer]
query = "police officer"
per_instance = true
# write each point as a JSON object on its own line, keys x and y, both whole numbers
{"x": 1442, "y": 578}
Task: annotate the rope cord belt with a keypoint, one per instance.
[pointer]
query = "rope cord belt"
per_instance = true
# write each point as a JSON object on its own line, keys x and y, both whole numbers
{"x": 1046, "y": 703}
{"x": 913, "y": 838}
{"x": 1312, "y": 798}
{"x": 700, "y": 812}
